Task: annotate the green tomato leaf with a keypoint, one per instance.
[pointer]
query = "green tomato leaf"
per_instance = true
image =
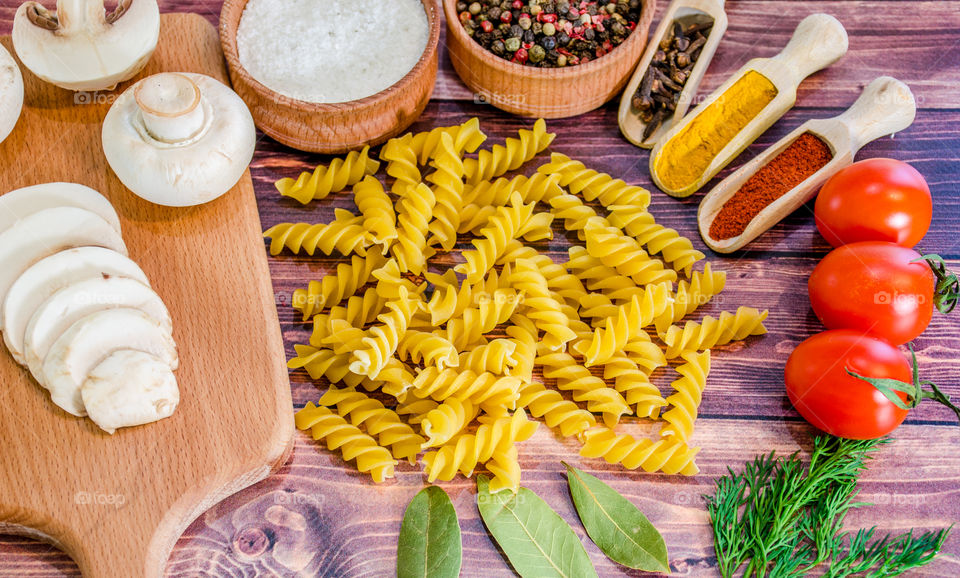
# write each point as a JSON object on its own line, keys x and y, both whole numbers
{"x": 537, "y": 541}
{"x": 429, "y": 545}
{"x": 615, "y": 525}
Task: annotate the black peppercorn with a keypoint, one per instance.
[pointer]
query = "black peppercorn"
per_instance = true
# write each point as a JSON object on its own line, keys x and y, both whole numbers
{"x": 462, "y": 6}
{"x": 548, "y": 42}
{"x": 498, "y": 48}
{"x": 589, "y": 34}
{"x": 563, "y": 39}
{"x": 529, "y": 36}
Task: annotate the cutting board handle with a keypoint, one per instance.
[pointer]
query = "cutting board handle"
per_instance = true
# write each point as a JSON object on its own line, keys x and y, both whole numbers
{"x": 819, "y": 41}
{"x": 886, "y": 106}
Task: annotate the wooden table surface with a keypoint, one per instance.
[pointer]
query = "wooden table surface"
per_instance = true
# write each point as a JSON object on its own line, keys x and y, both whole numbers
{"x": 334, "y": 521}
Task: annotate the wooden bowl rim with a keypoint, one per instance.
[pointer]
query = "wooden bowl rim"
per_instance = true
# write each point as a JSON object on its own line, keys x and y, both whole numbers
{"x": 229, "y": 44}
{"x": 537, "y": 73}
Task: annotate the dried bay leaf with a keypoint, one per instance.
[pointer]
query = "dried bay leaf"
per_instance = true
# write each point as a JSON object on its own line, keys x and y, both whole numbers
{"x": 537, "y": 541}
{"x": 615, "y": 525}
{"x": 430, "y": 544}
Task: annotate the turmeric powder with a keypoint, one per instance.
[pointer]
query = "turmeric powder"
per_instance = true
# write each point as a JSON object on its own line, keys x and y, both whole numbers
{"x": 686, "y": 157}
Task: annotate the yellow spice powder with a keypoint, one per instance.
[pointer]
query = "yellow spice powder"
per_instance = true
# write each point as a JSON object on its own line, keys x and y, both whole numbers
{"x": 685, "y": 157}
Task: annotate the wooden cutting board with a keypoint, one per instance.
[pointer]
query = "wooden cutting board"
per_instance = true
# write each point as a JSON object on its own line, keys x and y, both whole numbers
{"x": 117, "y": 504}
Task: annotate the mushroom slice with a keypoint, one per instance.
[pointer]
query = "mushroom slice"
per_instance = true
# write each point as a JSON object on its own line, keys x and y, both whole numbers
{"x": 89, "y": 341}
{"x": 20, "y": 203}
{"x": 74, "y": 302}
{"x": 129, "y": 388}
{"x": 81, "y": 47}
{"x": 11, "y": 93}
{"x": 47, "y": 232}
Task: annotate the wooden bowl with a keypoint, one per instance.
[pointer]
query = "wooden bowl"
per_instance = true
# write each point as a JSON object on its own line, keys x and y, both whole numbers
{"x": 544, "y": 92}
{"x": 338, "y": 127}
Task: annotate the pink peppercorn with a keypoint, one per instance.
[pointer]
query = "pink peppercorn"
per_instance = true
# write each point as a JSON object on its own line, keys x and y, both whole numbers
{"x": 517, "y": 4}
{"x": 506, "y": 16}
{"x": 487, "y": 26}
{"x": 520, "y": 55}
{"x": 465, "y": 16}
{"x": 544, "y": 17}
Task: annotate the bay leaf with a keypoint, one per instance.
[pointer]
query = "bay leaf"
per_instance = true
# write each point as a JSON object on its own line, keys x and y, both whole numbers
{"x": 615, "y": 525}
{"x": 430, "y": 545}
{"x": 537, "y": 541}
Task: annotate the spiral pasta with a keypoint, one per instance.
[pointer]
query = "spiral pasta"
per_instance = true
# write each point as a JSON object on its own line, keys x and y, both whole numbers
{"x": 507, "y": 224}
{"x": 574, "y": 213}
{"x": 359, "y": 311}
{"x": 687, "y": 397}
{"x": 496, "y": 357}
{"x": 428, "y": 349}
{"x": 691, "y": 295}
{"x": 625, "y": 255}
{"x": 380, "y": 422}
{"x": 481, "y": 389}
{"x": 536, "y": 188}
{"x": 382, "y": 340}
{"x": 510, "y": 156}
{"x": 617, "y": 331}
{"x": 448, "y": 190}
{"x": 449, "y": 298}
{"x": 505, "y": 467}
{"x": 333, "y": 289}
{"x": 586, "y": 387}
{"x": 540, "y": 305}
{"x": 594, "y": 185}
{"x": 323, "y": 363}
{"x": 344, "y": 234}
{"x": 414, "y": 211}
{"x": 353, "y": 444}
{"x": 711, "y": 332}
{"x": 667, "y": 456}
{"x": 647, "y": 355}
{"x": 559, "y": 279}
{"x": 415, "y": 408}
{"x": 323, "y": 180}
{"x": 560, "y": 414}
{"x": 676, "y": 250}
{"x": 447, "y": 420}
{"x": 524, "y": 336}
{"x": 466, "y": 137}
{"x": 634, "y": 385}
{"x": 343, "y": 337}
{"x": 394, "y": 379}
{"x": 390, "y": 280}
{"x": 376, "y": 208}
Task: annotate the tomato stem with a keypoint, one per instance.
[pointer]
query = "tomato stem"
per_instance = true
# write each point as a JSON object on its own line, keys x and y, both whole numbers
{"x": 915, "y": 391}
{"x": 946, "y": 293}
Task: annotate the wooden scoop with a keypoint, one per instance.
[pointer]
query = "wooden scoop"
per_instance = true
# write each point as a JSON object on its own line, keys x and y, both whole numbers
{"x": 687, "y": 12}
{"x": 886, "y": 106}
{"x": 819, "y": 41}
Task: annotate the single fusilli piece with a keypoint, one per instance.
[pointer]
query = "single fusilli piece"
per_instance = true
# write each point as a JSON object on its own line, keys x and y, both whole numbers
{"x": 635, "y": 386}
{"x": 574, "y": 213}
{"x": 559, "y": 413}
{"x": 353, "y": 444}
{"x": 675, "y": 249}
{"x": 536, "y": 188}
{"x": 466, "y": 137}
{"x": 689, "y": 393}
{"x": 510, "y": 156}
{"x": 496, "y": 357}
{"x": 376, "y": 207}
{"x": 382, "y": 340}
{"x": 596, "y": 276}
{"x": 483, "y": 389}
{"x": 358, "y": 311}
{"x": 448, "y": 190}
{"x": 667, "y": 456}
{"x": 559, "y": 279}
{"x": 447, "y": 420}
{"x": 623, "y": 253}
{"x": 340, "y": 174}
{"x": 322, "y": 362}
{"x": 586, "y": 387}
{"x": 450, "y": 297}
{"x": 343, "y": 337}
{"x": 542, "y": 306}
{"x": 378, "y": 421}
{"x": 691, "y": 295}
{"x": 508, "y": 223}
{"x": 711, "y": 332}
{"x": 616, "y": 332}
{"x": 524, "y": 336}
{"x": 333, "y": 289}
{"x": 394, "y": 379}
{"x": 414, "y": 211}
{"x": 505, "y": 467}
{"x": 345, "y": 234}
{"x": 593, "y": 185}
{"x": 647, "y": 355}
{"x": 428, "y": 349}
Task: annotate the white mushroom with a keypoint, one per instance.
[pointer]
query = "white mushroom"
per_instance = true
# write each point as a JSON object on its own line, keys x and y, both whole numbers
{"x": 49, "y": 320}
{"x": 89, "y": 341}
{"x": 129, "y": 388}
{"x": 11, "y": 93}
{"x": 47, "y": 232}
{"x": 179, "y": 139}
{"x": 81, "y": 47}
{"x": 20, "y": 203}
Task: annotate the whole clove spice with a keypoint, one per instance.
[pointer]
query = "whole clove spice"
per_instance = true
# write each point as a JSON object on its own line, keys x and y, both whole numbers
{"x": 657, "y": 96}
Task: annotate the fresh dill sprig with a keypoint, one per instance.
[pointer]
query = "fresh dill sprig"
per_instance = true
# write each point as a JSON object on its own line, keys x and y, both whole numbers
{"x": 781, "y": 519}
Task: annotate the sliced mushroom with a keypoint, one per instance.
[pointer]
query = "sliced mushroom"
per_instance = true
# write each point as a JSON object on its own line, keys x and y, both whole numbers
{"x": 129, "y": 388}
{"x": 81, "y": 47}
{"x": 89, "y": 341}
{"x": 47, "y": 232}
{"x": 179, "y": 139}
{"x": 11, "y": 93}
{"x": 68, "y": 305}
{"x": 20, "y": 203}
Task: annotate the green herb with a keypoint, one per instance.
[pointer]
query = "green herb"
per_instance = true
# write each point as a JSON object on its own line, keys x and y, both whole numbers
{"x": 615, "y": 525}
{"x": 946, "y": 293}
{"x": 429, "y": 544}
{"x": 537, "y": 541}
{"x": 781, "y": 519}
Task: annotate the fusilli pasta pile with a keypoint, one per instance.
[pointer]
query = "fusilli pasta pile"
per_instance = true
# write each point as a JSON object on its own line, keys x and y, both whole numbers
{"x": 459, "y": 364}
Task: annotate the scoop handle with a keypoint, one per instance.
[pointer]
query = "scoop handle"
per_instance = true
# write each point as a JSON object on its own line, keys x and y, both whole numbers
{"x": 819, "y": 41}
{"x": 886, "y": 106}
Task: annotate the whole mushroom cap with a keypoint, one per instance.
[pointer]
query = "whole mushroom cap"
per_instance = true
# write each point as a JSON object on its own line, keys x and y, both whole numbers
{"x": 11, "y": 93}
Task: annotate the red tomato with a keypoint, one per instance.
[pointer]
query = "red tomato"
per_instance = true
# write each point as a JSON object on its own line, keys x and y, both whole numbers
{"x": 873, "y": 287}
{"x": 820, "y": 388}
{"x": 875, "y": 200}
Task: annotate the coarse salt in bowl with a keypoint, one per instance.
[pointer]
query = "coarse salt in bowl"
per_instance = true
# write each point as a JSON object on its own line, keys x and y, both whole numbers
{"x": 332, "y": 75}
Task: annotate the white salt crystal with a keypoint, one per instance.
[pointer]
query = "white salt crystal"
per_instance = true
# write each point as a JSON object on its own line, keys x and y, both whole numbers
{"x": 327, "y": 51}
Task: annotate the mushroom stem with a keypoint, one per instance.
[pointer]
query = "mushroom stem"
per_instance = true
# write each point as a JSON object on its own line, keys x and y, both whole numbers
{"x": 171, "y": 107}
{"x": 80, "y": 15}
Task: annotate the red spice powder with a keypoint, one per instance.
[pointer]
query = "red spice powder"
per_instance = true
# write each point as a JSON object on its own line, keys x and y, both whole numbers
{"x": 805, "y": 156}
